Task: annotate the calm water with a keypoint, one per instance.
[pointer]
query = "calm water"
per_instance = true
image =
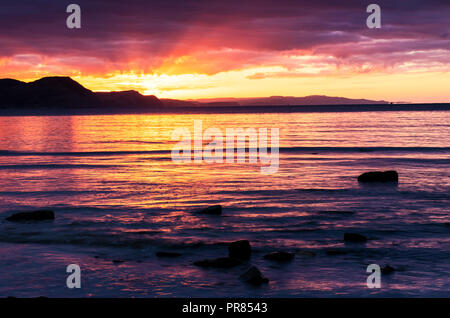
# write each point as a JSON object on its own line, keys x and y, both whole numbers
{"x": 118, "y": 195}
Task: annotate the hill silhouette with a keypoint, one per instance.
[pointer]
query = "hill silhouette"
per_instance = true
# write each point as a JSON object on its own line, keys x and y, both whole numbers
{"x": 64, "y": 96}
{"x": 46, "y": 92}
{"x": 63, "y": 93}
{"x": 128, "y": 99}
{"x": 291, "y": 100}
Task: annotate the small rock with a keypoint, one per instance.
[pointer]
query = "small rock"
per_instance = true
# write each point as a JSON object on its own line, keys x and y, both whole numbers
{"x": 240, "y": 249}
{"x": 118, "y": 261}
{"x": 379, "y": 176}
{"x": 280, "y": 256}
{"x": 212, "y": 210}
{"x": 387, "y": 269}
{"x": 335, "y": 252}
{"x": 167, "y": 254}
{"x": 39, "y": 215}
{"x": 354, "y": 237}
{"x": 221, "y": 262}
{"x": 254, "y": 277}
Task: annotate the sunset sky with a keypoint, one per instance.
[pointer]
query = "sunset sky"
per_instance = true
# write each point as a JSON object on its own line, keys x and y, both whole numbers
{"x": 247, "y": 48}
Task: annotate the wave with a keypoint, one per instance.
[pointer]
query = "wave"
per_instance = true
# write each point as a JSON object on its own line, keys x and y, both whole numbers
{"x": 281, "y": 149}
{"x": 102, "y": 238}
{"x": 55, "y": 166}
{"x": 370, "y": 191}
{"x": 6, "y": 153}
{"x": 366, "y": 149}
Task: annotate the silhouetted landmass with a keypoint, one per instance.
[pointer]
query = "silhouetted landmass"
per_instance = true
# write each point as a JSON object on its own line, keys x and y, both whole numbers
{"x": 290, "y": 100}
{"x": 194, "y": 103}
{"x": 46, "y": 92}
{"x": 179, "y": 103}
{"x": 64, "y": 96}
{"x": 128, "y": 99}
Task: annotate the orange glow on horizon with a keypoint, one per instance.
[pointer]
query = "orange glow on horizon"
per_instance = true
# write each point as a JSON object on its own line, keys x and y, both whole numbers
{"x": 184, "y": 76}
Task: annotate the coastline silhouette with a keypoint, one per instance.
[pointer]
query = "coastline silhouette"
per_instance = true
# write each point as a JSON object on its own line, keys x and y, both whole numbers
{"x": 64, "y": 96}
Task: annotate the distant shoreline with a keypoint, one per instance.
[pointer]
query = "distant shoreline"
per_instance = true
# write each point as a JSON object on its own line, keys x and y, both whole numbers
{"x": 51, "y": 111}
{"x": 62, "y": 96}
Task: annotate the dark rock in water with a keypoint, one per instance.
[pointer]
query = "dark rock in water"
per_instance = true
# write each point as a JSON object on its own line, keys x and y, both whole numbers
{"x": 354, "y": 237}
{"x": 212, "y": 210}
{"x": 221, "y": 262}
{"x": 335, "y": 252}
{"x": 279, "y": 256}
{"x": 240, "y": 249}
{"x": 387, "y": 269}
{"x": 118, "y": 261}
{"x": 254, "y": 277}
{"x": 167, "y": 254}
{"x": 379, "y": 176}
{"x": 39, "y": 215}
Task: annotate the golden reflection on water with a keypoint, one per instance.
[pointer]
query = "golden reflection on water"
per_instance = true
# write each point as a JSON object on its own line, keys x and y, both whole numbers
{"x": 153, "y": 132}
{"x": 148, "y": 175}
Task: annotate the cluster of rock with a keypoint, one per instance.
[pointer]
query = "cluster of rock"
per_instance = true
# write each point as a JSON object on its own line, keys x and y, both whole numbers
{"x": 239, "y": 252}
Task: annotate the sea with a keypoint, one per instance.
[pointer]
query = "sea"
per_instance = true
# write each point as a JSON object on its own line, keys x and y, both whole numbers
{"x": 119, "y": 197}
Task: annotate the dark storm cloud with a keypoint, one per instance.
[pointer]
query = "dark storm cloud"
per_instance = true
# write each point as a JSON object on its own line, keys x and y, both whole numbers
{"x": 149, "y": 31}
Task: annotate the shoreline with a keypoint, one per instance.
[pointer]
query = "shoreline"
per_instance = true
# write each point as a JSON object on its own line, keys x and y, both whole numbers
{"x": 227, "y": 110}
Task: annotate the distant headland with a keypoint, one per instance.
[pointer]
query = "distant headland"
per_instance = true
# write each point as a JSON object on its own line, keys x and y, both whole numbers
{"x": 64, "y": 96}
